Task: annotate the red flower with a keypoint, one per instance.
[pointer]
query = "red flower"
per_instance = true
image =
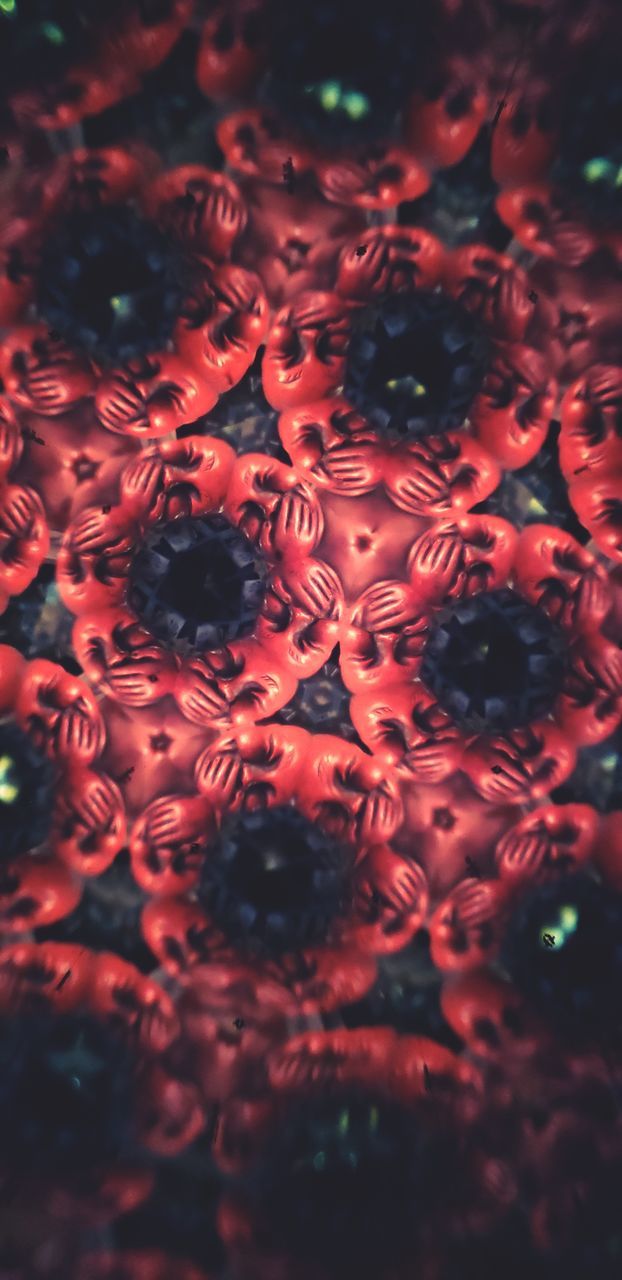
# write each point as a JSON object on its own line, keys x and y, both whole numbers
{"x": 62, "y": 815}
{"x": 355, "y": 1107}
{"x": 556, "y": 890}
{"x": 94, "y": 1015}
{"x": 497, "y": 339}
{"x": 280, "y": 862}
{"x": 190, "y": 513}
{"x": 57, "y": 72}
{"x": 308, "y": 126}
{"x": 433, "y": 697}
{"x": 141, "y": 321}
{"x": 590, "y": 454}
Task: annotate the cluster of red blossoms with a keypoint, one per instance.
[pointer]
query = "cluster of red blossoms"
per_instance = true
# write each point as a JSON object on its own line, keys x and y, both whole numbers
{"x": 310, "y": 640}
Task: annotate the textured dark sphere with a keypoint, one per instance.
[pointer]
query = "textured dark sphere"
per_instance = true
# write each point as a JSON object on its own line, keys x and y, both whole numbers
{"x": 415, "y": 363}
{"x": 273, "y": 881}
{"x": 197, "y": 583}
{"x": 494, "y": 662}
{"x": 26, "y": 792}
{"x": 110, "y": 283}
{"x": 66, "y": 1094}
{"x": 575, "y": 980}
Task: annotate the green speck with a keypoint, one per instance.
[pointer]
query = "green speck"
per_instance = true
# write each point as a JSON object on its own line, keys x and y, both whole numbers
{"x": 121, "y": 303}
{"x": 600, "y": 169}
{"x": 374, "y": 1117}
{"x": 343, "y": 1123}
{"x": 319, "y": 1161}
{"x": 535, "y": 508}
{"x": 356, "y": 105}
{"x": 330, "y": 95}
{"x": 609, "y": 763}
{"x": 9, "y": 789}
{"x": 53, "y": 33}
{"x": 8, "y": 6}
{"x": 569, "y": 918}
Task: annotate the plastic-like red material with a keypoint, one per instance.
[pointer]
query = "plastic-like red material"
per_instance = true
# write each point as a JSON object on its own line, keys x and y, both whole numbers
{"x": 59, "y": 712}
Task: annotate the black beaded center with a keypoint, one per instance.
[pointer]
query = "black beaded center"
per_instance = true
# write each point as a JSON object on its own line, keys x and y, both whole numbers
{"x": 494, "y": 662}
{"x": 111, "y": 283}
{"x": 26, "y": 792}
{"x": 66, "y": 1093}
{"x": 341, "y": 69}
{"x": 274, "y": 881}
{"x": 415, "y": 363}
{"x": 589, "y": 163}
{"x": 344, "y": 1183}
{"x": 197, "y": 583}
{"x": 563, "y": 949}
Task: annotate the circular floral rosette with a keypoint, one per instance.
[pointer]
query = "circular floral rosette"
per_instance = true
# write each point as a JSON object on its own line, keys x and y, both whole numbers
{"x": 491, "y": 659}
{"x": 59, "y": 65}
{"x": 70, "y": 1015}
{"x": 590, "y": 453}
{"x": 356, "y": 1107}
{"x": 561, "y": 182}
{"x": 280, "y": 864}
{"x": 62, "y": 815}
{"x": 140, "y": 321}
{"x": 353, "y": 98}
{"x": 200, "y": 584}
{"x": 419, "y": 342}
{"x": 534, "y": 945}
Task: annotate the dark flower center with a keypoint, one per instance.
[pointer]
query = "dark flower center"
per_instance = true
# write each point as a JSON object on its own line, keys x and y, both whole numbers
{"x": 343, "y": 1183}
{"x": 109, "y": 282}
{"x": 26, "y": 792}
{"x": 274, "y": 881}
{"x": 341, "y": 70}
{"x": 494, "y": 662}
{"x": 197, "y": 583}
{"x": 589, "y": 163}
{"x": 41, "y": 39}
{"x": 415, "y": 363}
{"x": 66, "y": 1093}
{"x": 563, "y": 949}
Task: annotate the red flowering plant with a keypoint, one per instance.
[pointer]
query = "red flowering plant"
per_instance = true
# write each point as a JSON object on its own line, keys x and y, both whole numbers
{"x": 62, "y": 815}
{"x": 561, "y": 196}
{"x": 422, "y": 371}
{"x": 60, "y": 62}
{"x": 531, "y": 947}
{"x": 491, "y": 659}
{"x": 199, "y": 588}
{"x": 89, "y": 1096}
{"x": 362, "y": 102}
{"x": 590, "y": 453}
{"x": 137, "y": 319}
{"x": 368, "y": 1158}
{"x": 279, "y": 864}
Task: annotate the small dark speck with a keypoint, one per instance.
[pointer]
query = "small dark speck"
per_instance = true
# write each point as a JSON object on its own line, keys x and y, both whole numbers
{"x": 427, "y": 1078}
{"x": 106, "y": 510}
{"x": 472, "y": 867}
{"x": 195, "y": 848}
{"x": 533, "y": 297}
{"x": 496, "y": 768}
{"x": 125, "y": 777}
{"x": 153, "y": 679}
{"x": 238, "y": 1023}
{"x": 289, "y": 176}
{"x": 361, "y": 251}
{"x": 60, "y": 985}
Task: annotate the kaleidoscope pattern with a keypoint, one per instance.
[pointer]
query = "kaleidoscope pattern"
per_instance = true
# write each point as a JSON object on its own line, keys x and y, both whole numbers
{"x": 310, "y": 640}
